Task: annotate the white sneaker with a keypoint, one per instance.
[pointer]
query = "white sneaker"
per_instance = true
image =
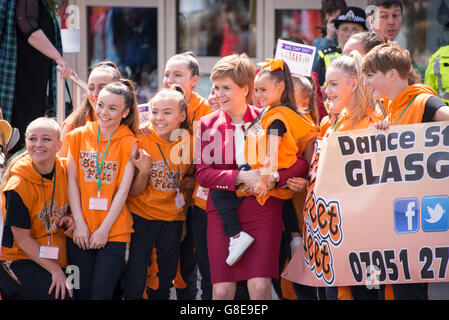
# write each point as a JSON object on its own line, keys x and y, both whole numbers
{"x": 237, "y": 246}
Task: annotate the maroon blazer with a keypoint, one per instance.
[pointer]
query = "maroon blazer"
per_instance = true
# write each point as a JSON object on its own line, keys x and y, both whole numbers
{"x": 216, "y": 167}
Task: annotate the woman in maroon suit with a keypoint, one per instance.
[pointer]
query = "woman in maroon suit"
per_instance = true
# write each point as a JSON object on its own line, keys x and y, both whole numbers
{"x": 219, "y": 148}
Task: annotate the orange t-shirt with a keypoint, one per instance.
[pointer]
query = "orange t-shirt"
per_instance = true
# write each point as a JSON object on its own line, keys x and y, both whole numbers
{"x": 157, "y": 200}
{"x": 198, "y": 107}
{"x": 83, "y": 148}
{"x": 27, "y": 182}
{"x": 408, "y": 106}
{"x": 324, "y": 126}
{"x": 256, "y": 144}
{"x": 314, "y": 131}
{"x": 256, "y": 139}
{"x": 299, "y": 199}
{"x": 344, "y": 122}
{"x": 67, "y": 127}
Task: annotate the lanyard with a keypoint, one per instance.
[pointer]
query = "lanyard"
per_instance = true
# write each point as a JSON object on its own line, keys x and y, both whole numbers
{"x": 336, "y": 125}
{"x": 49, "y": 214}
{"x": 193, "y": 119}
{"x": 260, "y": 115}
{"x": 166, "y": 163}
{"x": 100, "y": 169}
{"x": 405, "y": 109}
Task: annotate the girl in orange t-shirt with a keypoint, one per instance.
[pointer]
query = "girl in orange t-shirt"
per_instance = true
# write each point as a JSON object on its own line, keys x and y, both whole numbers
{"x": 157, "y": 204}
{"x": 35, "y": 209}
{"x": 357, "y": 110}
{"x": 103, "y": 73}
{"x": 100, "y": 174}
{"x": 183, "y": 69}
{"x": 306, "y": 100}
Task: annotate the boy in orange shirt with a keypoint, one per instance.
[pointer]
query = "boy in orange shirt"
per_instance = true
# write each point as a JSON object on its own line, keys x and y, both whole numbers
{"x": 386, "y": 69}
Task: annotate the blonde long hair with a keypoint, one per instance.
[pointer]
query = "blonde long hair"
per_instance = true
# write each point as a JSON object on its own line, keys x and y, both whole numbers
{"x": 363, "y": 102}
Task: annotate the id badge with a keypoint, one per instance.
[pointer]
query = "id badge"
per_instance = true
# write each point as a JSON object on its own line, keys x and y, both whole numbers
{"x": 180, "y": 202}
{"x": 98, "y": 204}
{"x": 202, "y": 193}
{"x": 48, "y": 252}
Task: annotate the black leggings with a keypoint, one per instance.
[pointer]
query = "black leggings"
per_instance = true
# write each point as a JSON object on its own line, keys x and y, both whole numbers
{"x": 25, "y": 280}
{"x": 166, "y": 237}
{"x": 100, "y": 269}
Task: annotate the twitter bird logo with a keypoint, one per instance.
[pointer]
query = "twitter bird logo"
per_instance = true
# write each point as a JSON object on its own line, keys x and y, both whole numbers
{"x": 437, "y": 217}
{"x": 435, "y": 213}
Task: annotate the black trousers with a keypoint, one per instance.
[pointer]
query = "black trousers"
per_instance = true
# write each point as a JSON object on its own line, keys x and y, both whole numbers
{"x": 100, "y": 269}
{"x": 411, "y": 291}
{"x": 188, "y": 263}
{"x": 148, "y": 233}
{"x": 198, "y": 221}
{"x": 302, "y": 292}
{"x": 26, "y": 280}
{"x": 226, "y": 203}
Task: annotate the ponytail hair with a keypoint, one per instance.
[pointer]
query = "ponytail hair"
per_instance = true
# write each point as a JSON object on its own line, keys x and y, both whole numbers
{"x": 308, "y": 89}
{"x": 127, "y": 89}
{"x": 176, "y": 92}
{"x": 81, "y": 114}
{"x": 285, "y": 76}
{"x": 352, "y": 65}
{"x": 190, "y": 58}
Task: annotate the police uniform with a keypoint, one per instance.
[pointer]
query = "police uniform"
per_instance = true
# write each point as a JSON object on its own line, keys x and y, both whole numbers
{"x": 326, "y": 56}
{"x": 437, "y": 73}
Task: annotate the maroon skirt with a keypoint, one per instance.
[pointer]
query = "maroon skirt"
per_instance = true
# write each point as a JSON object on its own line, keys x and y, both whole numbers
{"x": 261, "y": 259}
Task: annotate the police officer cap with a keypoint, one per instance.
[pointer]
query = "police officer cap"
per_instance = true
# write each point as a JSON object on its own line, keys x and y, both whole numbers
{"x": 351, "y": 14}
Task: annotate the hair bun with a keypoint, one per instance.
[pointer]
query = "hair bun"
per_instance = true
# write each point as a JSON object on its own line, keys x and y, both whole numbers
{"x": 178, "y": 88}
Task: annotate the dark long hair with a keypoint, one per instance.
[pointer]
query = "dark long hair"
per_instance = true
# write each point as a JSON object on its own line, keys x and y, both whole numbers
{"x": 79, "y": 116}
{"x": 285, "y": 76}
{"x": 126, "y": 89}
{"x": 176, "y": 92}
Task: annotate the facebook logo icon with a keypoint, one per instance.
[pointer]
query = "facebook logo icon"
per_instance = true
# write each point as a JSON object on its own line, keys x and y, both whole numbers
{"x": 406, "y": 215}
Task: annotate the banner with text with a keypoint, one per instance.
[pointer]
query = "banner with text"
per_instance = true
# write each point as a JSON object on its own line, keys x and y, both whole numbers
{"x": 377, "y": 208}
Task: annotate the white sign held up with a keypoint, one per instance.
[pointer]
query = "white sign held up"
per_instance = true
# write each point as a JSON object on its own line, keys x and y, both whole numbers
{"x": 299, "y": 57}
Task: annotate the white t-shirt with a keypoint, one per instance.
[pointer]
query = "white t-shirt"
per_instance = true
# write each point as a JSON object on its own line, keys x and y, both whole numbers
{"x": 239, "y": 144}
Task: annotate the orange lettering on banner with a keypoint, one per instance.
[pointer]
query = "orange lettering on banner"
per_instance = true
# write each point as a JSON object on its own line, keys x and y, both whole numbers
{"x": 322, "y": 228}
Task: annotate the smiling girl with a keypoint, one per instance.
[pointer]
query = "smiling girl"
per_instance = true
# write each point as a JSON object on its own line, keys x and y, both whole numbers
{"x": 353, "y": 108}
{"x": 350, "y": 103}
{"x": 103, "y": 73}
{"x": 33, "y": 255}
{"x": 183, "y": 70}
{"x": 155, "y": 199}
{"x": 100, "y": 175}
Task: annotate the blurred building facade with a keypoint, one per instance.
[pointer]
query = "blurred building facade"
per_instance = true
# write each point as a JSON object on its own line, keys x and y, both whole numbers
{"x": 140, "y": 35}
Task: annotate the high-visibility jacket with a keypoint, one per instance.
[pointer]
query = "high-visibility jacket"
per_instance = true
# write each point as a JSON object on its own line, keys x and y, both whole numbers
{"x": 325, "y": 58}
{"x": 437, "y": 73}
